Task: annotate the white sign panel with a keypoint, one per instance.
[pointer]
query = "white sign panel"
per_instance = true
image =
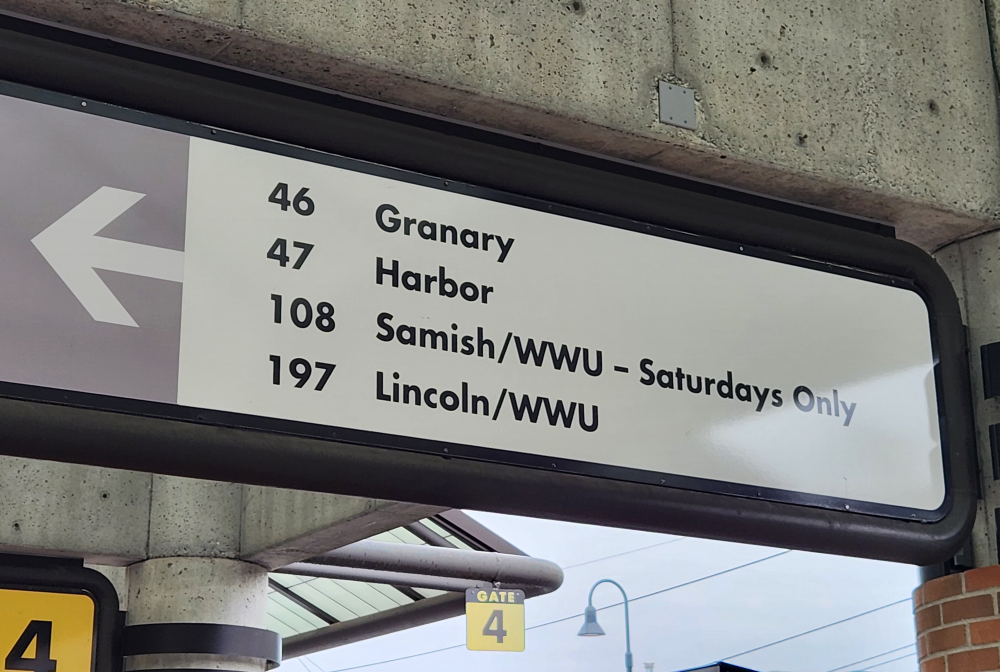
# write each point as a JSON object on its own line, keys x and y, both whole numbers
{"x": 214, "y": 276}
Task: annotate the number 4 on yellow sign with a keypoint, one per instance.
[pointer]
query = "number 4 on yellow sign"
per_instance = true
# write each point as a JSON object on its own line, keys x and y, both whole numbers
{"x": 45, "y": 631}
{"x": 494, "y": 620}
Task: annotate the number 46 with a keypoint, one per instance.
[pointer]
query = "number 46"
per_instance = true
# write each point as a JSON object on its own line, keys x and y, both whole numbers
{"x": 302, "y": 203}
{"x": 39, "y": 632}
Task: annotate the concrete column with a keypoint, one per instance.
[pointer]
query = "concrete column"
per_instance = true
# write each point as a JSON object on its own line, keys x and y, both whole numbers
{"x": 196, "y": 590}
{"x": 974, "y": 268}
{"x": 194, "y": 574}
{"x": 958, "y": 626}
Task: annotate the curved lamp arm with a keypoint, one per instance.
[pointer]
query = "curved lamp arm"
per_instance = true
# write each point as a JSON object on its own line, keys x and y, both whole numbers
{"x": 628, "y": 643}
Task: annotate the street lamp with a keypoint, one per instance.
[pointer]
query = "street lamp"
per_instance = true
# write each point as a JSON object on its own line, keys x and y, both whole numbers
{"x": 591, "y": 628}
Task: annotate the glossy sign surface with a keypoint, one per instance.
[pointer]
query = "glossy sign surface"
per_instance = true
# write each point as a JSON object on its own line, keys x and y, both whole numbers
{"x": 273, "y": 282}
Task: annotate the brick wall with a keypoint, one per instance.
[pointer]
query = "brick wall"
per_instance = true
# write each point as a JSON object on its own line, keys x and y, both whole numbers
{"x": 958, "y": 629}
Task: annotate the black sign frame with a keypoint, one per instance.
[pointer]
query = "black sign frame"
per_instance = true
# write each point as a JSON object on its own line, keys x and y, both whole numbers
{"x": 57, "y": 425}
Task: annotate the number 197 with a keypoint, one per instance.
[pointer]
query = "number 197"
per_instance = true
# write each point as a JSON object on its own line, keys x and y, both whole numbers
{"x": 301, "y": 370}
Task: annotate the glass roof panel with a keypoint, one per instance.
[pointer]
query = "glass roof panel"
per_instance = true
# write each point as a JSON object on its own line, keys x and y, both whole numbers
{"x": 321, "y": 598}
{"x": 291, "y": 614}
{"x": 367, "y": 593}
{"x": 347, "y": 600}
{"x": 392, "y": 593}
{"x": 398, "y": 535}
{"x": 428, "y": 592}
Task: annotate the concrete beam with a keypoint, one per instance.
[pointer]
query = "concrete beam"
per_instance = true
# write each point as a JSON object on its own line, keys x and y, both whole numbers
{"x": 114, "y": 517}
{"x": 887, "y": 112}
{"x": 48, "y": 508}
{"x": 285, "y": 526}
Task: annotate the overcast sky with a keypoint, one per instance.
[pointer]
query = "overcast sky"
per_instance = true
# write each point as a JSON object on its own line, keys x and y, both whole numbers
{"x": 691, "y": 602}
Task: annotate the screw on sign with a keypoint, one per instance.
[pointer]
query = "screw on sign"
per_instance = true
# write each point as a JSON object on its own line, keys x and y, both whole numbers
{"x": 494, "y": 619}
{"x": 46, "y": 631}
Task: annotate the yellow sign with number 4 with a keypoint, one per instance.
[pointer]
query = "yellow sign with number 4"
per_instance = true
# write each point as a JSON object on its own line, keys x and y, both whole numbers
{"x": 46, "y": 631}
{"x": 494, "y": 619}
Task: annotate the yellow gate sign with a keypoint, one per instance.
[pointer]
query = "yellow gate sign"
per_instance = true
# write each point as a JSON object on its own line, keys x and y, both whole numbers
{"x": 494, "y": 620}
{"x": 43, "y": 631}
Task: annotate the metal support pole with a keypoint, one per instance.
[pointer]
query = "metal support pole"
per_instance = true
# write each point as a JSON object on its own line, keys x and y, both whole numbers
{"x": 628, "y": 642}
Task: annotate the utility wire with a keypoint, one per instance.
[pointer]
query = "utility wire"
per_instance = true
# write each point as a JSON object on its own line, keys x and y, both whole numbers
{"x": 909, "y": 655}
{"x": 567, "y": 618}
{"x": 618, "y": 555}
{"x": 822, "y": 627}
{"x": 865, "y": 660}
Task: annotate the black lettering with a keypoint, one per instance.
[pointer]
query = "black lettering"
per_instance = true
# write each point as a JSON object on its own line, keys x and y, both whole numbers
{"x": 379, "y": 388}
{"x": 691, "y": 387}
{"x": 409, "y": 390}
{"x": 381, "y": 272}
{"x": 820, "y": 401}
{"x": 776, "y": 396}
{"x": 648, "y": 377}
{"x": 411, "y": 281}
{"x": 446, "y": 286}
{"x": 743, "y": 392}
{"x": 525, "y": 407}
{"x": 587, "y": 427}
{"x": 563, "y": 357}
{"x": 530, "y": 351}
{"x": 802, "y": 389}
{"x": 407, "y": 223}
{"x": 449, "y": 400}
{"x": 467, "y": 347}
{"x": 470, "y": 239}
{"x": 435, "y": 337}
{"x": 504, "y": 248}
{"x": 484, "y": 344}
{"x": 381, "y": 219}
{"x": 427, "y": 397}
{"x": 761, "y": 397}
{"x": 427, "y": 230}
{"x": 479, "y": 402}
{"x": 558, "y": 413}
{"x": 383, "y": 321}
{"x": 470, "y": 292}
{"x": 667, "y": 384}
{"x": 445, "y": 230}
{"x": 708, "y": 385}
{"x": 407, "y": 334}
{"x": 849, "y": 412}
{"x": 728, "y": 382}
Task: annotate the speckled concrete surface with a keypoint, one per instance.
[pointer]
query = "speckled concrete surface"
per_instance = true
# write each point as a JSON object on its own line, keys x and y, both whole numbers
{"x": 48, "y": 507}
{"x": 882, "y": 109}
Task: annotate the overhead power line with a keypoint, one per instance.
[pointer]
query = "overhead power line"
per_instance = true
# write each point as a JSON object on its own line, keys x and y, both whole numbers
{"x": 822, "y": 627}
{"x": 853, "y": 666}
{"x": 909, "y": 655}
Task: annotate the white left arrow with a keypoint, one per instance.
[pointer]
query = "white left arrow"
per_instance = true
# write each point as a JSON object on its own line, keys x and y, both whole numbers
{"x": 74, "y": 252}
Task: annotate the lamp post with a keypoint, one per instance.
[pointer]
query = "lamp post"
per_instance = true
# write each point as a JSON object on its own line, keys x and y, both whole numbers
{"x": 591, "y": 628}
